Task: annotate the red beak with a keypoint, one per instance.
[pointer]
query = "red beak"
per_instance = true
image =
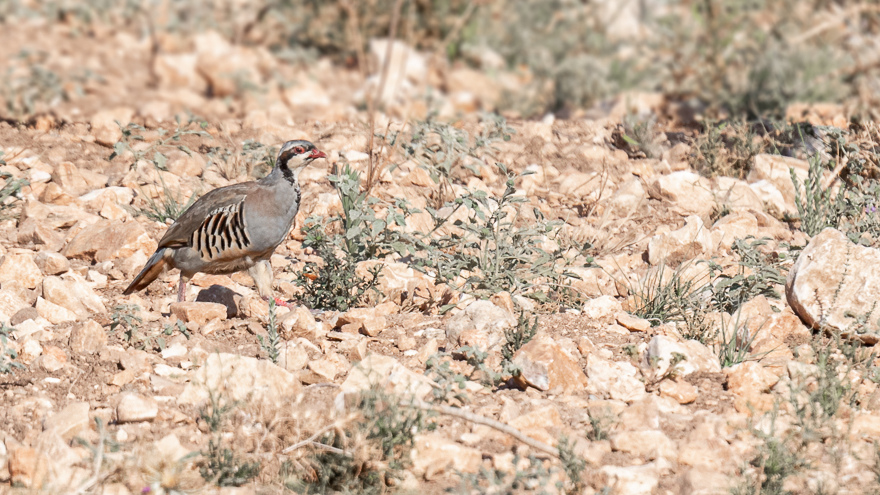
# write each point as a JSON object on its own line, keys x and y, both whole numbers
{"x": 316, "y": 153}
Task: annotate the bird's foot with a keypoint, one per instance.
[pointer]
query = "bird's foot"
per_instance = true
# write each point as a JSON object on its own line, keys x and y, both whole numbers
{"x": 280, "y": 302}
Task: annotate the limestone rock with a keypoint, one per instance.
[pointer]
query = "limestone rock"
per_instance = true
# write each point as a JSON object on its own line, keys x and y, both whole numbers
{"x": 601, "y": 307}
{"x": 617, "y": 380}
{"x": 369, "y": 321}
{"x": 698, "y": 357}
{"x": 835, "y": 284}
{"x": 104, "y": 124}
{"x": 108, "y": 240}
{"x": 240, "y": 378}
{"x": 198, "y": 312}
{"x": 87, "y": 337}
{"x": 632, "y": 480}
{"x": 633, "y": 323}
{"x": 51, "y": 263}
{"x": 434, "y": 454}
{"x": 134, "y": 407}
{"x": 681, "y": 392}
{"x": 54, "y": 313}
{"x": 687, "y": 191}
{"x": 21, "y": 268}
{"x": 74, "y": 294}
{"x": 484, "y": 317}
{"x": 70, "y": 421}
{"x": 751, "y": 382}
{"x": 688, "y": 242}
{"x": 544, "y": 365}
{"x": 776, "y": 170}
{"x": 648, "y": 444}
{"x": 387, "y": 374}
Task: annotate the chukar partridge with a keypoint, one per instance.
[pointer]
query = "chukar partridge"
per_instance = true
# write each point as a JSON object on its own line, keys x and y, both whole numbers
{"x": 234, "y": 228}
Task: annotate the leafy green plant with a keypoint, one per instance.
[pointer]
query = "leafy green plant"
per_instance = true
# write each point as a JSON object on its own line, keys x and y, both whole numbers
{"x": 171, "y": 204}
{"x": 220, "y": 465}
{"x": 638, "y": 136}
{"x": 818, "y": 208}
{"x": 445, "y": 151}
{"x": 126, "y": 317}
{"x": 368, "y": 452}
{"x": 514, "y": 338}
{"x": 726, "y": 149}
{"x": 492, "y": 249}
{"x": 10, "y": 193}
{"x": 272, "y": 343}
{"x": 8, "y": 356}
{"x": 758, "y": 274}
{"x": 572, "y": 464}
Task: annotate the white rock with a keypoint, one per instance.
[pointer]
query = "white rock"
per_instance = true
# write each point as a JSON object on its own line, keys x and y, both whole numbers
{"x": 601, "y": 307}
{"x": 613, "y": 379}
{"x": 133, "y": 408}
{"x": 698, "y": 357}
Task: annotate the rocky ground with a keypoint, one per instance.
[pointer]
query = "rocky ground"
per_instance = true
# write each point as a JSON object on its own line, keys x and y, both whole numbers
{"x": 680, "y": 359}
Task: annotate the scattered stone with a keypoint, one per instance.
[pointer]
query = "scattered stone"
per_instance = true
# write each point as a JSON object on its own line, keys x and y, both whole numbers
{"x": 53, "y": 312}
{"x": 691, "y": 241}
{"x": 433, "y": 454}
{"x": 368, "y": 321}
{"x": 751, "y": 383}
{"x": 87, "y": 337}
{"x": 633, "y": 323}
{"x": 385, "y": 373}
{"x": 485, "y": 318}
{"x": 220, "y": 295}
{"x": 20, "y": 268}
{"x": 686, "y": 191}
{"x": 133, "y": 408}
{"x": 108, "y": 240}
{"x": 73, "y": 293}
{"x": 51, "y": 263}
{"x": 697, "y": 357}
{"x": 648, "y": 444}
{"x": 681, "y": 392}
{"x": 834, "y": 283}
{"x": 601, "y": 307}
{"x": 52, "y": 359}
{"x": 70, "y": 421}
{"x": 545, "y": 366}
{"x": 198, "y": 312}
{"x": 632, "y": 480}
{"x": 104, "y": 124}
{"x": 240, "y": 378}
{"x": 617, "y": 380}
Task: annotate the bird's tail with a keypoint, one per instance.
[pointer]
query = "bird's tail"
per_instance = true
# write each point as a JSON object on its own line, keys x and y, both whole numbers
{"x": 154, "y": 267}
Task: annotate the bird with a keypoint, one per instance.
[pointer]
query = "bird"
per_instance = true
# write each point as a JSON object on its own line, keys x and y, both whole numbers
{"x": 234, "y": 228}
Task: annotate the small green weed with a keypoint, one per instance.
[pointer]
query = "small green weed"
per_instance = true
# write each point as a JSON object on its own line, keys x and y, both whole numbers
{"x": 516, "y": 337}
{"x": 126, "y": 317}
{"x": 534, "y": 477}
{"x": 8, "y": 356}
{"x": 638, "y": 136}
{"x": 10, "y": 193}
{"x": 573, "y": 464}
{"x": 219, "y": 465}
{"x": 271, "y": 345}
{"x": 726, "y": 149}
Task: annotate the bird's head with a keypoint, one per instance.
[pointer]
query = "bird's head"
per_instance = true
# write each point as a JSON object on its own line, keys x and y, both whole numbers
{"x": 296, "y": 155}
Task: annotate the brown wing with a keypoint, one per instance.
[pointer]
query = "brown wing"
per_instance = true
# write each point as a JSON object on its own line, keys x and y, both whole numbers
{"x": 181, "y": 232}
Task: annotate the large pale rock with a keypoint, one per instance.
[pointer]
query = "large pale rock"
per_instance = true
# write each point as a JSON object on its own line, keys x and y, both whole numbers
{"x": 240, "y": 378}
{"x": 632, "y": 480}
{"x": 433, "y": 454}
{"x": 87, "y": 337}
{"x": 648, "y": 444}
{"x": 368, "y": 321}
{"x": 686, "y": 191}
{"x": 69, "y": 421}
{"x": 68, "y": 176}
{"x": 105, "y": 127}
{"x": 835, "y": 285}
{"x": 51, "y": 263}
{"x": 198, "y": 312}
{"x": 108, "y": 240}
{"x": 54, "y": 313}
{"x": 484, "y": 317}
{"x": 736, "y": 194}
{"x": 751, "y": 384}
{"x": 74, "y": 294}
{"x": 21, "y": 268}
{"x": 688, "y": 242}
{"x": 545, "y": 366}
{"x": 384, "y": 373}
{"x": 612, "y": 379}
{"x": 729, "y": 228}
{"x": 698, "y": 357}
{"x": 134, "y": 407}
{"x": 11, "y": 302}
{"x": 776, "y": 170}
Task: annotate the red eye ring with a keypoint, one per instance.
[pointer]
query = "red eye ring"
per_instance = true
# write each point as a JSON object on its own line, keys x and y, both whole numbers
{"x": 298, "y": 150}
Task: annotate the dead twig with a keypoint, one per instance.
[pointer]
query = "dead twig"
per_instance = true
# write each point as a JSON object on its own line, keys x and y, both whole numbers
{"x": 482, "y": 420}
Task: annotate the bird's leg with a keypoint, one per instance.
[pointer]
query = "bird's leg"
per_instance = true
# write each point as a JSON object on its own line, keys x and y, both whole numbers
{"x": 181, "y": 289}
{"x": 262, "y": 275}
